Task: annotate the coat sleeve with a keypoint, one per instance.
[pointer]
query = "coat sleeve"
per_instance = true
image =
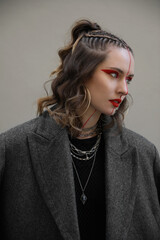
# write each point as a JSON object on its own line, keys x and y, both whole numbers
{"x": 157, "y": 172}
{"x": 2, "y": 155}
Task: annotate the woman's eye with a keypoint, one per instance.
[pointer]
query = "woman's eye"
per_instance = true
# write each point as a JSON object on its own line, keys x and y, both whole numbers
{"x": 112, "y": 73}
{"x": 115, "y": 75}
{"x": 128, "y": 80}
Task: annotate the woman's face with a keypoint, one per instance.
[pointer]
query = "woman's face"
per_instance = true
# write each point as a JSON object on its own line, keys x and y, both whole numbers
{"x": 109, "y": 84}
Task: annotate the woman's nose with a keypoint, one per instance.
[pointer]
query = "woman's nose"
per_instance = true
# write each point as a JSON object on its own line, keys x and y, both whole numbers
{"x": 123, "y": 88}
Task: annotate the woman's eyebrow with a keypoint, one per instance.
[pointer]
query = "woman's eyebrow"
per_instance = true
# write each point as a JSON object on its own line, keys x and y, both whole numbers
{"x": 120, "y": 71}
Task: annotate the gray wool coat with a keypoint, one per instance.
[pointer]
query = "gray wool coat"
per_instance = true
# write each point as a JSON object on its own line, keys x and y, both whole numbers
{"x": 37, "y": 196}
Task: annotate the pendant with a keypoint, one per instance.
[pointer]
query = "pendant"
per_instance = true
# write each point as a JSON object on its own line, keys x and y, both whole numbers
{"x": 83, "y": 198}
{"x": 87, "y": 157}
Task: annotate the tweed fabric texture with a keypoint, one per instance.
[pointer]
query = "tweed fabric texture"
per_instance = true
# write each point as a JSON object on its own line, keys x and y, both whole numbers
{"x": 37, "y": 192}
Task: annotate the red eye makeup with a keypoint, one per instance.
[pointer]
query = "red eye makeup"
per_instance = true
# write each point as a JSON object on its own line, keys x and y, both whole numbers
{"x": 110, "y": 71}
{"x": 128, "y": 79}
{"x": 115, "y": 74}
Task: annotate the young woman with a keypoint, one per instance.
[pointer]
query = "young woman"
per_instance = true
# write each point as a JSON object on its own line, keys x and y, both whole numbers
{"x": 75, "y": 172}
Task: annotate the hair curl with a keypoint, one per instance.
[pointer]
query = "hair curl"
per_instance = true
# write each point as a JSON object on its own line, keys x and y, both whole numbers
{"x": 87, "y": 47}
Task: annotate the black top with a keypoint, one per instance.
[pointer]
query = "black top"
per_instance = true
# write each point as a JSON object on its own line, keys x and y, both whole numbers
{"x": 91, "y": 215}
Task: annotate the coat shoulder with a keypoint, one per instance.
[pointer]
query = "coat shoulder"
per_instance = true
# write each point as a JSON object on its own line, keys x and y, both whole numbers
{"x": 141, "y": 143}
{"x": 13, "y": 142}
{"x": 18, "y": 133}
{"x": 43, "y": 125}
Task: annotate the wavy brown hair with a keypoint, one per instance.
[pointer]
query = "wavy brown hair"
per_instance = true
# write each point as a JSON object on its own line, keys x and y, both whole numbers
{"x": 79, "y": 59}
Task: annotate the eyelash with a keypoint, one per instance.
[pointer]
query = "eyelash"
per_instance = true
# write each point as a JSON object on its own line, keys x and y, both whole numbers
{"x": 110, "y": 72}
{"x": 128, "y": 80}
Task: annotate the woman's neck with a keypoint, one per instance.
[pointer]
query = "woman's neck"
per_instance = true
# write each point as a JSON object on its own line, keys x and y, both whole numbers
{"x": 90, "y": 119}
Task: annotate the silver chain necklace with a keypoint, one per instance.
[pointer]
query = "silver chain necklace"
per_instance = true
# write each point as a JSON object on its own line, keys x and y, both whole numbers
{"x": 83, "y": 197}
{"x": 96, "y": 129}
{"x": 85, "y": 155}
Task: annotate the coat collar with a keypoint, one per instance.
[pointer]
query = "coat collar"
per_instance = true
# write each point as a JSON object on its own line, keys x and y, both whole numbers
{"x": 54, "y": 173}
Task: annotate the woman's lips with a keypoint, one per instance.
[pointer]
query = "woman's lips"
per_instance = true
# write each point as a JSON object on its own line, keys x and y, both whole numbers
{"x": 115, "y": 102}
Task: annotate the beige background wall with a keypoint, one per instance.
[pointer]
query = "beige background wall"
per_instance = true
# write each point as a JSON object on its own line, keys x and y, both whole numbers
{"x": 32, "y": 31}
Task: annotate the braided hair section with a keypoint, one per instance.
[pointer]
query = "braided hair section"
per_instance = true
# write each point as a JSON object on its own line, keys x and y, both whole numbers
{"x": 98, "y": 40}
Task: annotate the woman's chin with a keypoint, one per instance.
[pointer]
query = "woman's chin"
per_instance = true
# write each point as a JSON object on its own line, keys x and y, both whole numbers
{"x": 110, "y": 112}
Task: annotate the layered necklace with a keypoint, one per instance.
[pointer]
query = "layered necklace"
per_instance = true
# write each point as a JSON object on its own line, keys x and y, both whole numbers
{"x": 85, "y": 155}
{"x": 82, "y": 155}
{"x": 94, "y": 130}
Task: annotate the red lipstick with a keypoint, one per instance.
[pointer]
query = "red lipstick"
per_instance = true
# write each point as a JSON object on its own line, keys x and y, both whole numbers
{"x": 116, "y": 102}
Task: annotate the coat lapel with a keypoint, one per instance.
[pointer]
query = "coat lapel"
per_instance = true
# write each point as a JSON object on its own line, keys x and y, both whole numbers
{"x": 49, "y": 148}
{"x": 121, "y": 180}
